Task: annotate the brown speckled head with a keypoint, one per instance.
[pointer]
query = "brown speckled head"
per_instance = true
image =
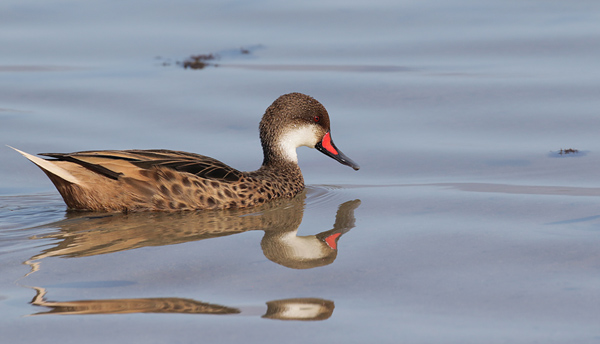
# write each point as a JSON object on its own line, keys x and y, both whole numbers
{"x": 293, "y": 120}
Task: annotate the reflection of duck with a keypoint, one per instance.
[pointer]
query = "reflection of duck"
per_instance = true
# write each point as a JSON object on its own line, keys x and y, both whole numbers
{"x": 123, "y": 306}
{"x": 137, "y": 180}
{"x": 82, "y": 235}
{"x": 305, "y": 252}
{"x": 288, "y": 309}
{"x": 299, "y": 309}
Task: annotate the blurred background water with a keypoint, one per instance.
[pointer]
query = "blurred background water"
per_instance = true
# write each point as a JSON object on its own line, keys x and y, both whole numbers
{"x": 471, "y": 226}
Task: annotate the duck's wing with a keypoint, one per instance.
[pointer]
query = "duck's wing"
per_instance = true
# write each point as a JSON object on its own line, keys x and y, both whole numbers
{"x": 114, "y": 164}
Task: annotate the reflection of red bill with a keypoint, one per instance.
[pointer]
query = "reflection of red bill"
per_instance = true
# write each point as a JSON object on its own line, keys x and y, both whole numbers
{"x": 332, "y": 240}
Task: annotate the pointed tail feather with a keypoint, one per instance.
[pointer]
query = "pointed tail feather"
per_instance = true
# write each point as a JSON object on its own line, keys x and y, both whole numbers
{"x": 50, "y": 167}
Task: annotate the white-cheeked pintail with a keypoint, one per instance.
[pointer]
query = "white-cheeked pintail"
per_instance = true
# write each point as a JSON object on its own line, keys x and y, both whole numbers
{"x": 165, "y": 180}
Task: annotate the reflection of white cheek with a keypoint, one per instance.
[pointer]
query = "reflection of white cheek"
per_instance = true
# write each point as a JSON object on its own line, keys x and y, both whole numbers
{"x": 300, "y": 311}
{"x": 302, "y": 247}
{"x": 297, "y": 137}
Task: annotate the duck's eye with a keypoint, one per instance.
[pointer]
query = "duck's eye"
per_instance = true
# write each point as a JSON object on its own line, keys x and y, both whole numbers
{"x": 317, "y": 119}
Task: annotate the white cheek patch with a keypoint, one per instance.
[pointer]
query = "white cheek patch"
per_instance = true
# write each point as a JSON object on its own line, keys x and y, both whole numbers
{"x": 296, "y": 137}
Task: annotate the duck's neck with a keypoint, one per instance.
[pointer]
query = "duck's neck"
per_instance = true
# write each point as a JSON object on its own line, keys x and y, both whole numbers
{"x": 282, "y": 175}
{"x": 284, "y": 168}
{"x": 281, "y": 145}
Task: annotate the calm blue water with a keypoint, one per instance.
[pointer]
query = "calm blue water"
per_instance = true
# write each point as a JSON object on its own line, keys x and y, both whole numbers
{"x": 464, "y": 224}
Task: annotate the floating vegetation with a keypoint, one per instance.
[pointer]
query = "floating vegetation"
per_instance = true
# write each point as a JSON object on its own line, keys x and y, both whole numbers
{"x": 199, "y": 61}
{"x": 568, "y": 151}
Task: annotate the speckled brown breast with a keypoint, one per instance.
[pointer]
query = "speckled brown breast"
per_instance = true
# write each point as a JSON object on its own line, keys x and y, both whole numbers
{"x": 183, "y": 191}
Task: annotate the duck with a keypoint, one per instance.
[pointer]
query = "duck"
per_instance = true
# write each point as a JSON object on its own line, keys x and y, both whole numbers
{"x": 168, "y": 180}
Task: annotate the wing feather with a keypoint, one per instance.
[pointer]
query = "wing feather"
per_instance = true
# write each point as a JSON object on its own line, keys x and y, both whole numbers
{"x": 103, "y": 162}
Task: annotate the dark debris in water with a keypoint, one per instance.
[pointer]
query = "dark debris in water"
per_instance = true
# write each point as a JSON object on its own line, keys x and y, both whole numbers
{"x": 567, "y": 152}
{"x": 193, "y": 62}
{"x": 201, "y": 61}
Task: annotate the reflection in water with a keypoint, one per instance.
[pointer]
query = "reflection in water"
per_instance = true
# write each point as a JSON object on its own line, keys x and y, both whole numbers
{"x": 122, "y": 306}
{"x": 299, "y": 309}
{"x": 86, "y": 234}
{"x": 304, "y": 252}
{"x": 288, "y": 309}
{"x": 83, "y": 235}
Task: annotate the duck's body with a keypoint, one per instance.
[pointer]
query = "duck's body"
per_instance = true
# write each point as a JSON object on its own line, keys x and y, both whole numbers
{"x": 164, "y": 180}
{"x": 138, "y": 180}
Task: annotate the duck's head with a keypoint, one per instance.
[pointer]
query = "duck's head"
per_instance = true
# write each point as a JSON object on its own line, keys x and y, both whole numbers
{"x": 295, "y": 120}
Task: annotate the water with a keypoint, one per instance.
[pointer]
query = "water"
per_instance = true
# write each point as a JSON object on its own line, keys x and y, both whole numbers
{"x": 464, "y": 224}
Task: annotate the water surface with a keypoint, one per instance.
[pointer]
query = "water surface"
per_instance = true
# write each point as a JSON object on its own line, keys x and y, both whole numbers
{"x": 465, "y": 224}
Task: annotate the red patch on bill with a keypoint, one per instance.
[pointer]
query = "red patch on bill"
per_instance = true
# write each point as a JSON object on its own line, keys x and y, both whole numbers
{"x": 330, "y": 240}
{"x": 327, "y": 144}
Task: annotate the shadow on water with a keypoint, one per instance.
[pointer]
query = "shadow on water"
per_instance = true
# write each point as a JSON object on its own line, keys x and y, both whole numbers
{"x": 89, "y": 234}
